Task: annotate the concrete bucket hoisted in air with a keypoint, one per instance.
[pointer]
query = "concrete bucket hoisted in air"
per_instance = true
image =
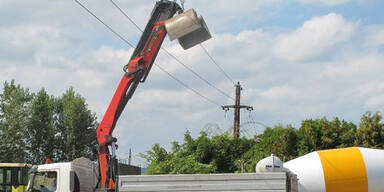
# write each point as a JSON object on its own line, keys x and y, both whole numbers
{"x": 188, "y": 28}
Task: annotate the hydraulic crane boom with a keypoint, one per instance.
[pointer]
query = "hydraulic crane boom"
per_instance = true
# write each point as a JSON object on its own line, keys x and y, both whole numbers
{"x": 136, "y": 71}
{"x": 189, "y": 29}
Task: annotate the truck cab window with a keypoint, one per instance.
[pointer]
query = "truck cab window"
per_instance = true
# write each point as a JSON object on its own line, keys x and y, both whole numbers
{"x": 45, "y": 182}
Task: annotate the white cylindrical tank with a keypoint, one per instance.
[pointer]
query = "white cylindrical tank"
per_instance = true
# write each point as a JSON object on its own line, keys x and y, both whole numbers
{"x": 352, "y": 169}
{"x": 269, "y": 164}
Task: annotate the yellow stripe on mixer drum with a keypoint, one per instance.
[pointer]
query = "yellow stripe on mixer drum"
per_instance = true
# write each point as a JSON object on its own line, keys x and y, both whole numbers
{"x": 344, "y": 170}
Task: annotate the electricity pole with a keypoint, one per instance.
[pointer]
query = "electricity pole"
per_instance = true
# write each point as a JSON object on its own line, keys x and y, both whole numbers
{"x": 130, "y": 157}
{"x": 236, "y": 108}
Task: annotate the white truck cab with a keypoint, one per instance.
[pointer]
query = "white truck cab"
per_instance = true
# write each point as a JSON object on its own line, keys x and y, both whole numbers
{"x": 74, "y": 176}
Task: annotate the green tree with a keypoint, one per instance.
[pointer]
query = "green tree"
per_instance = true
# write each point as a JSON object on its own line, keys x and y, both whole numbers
{"x": 174, "y": 162}
{"x": 41, "y": 130}
{"x": 227, "y": 153}
{"x": 38, "y": 126}
{"x": 201, "y": 155}
{"x": 371, "y": 131}
{"x": 348, "y": 135}
{"x": 321, "y": 134}
{"x": 222, "y": 154}
{"x": 310, "y": 134}
{"x": 281, "y": 141}
{"x": 76, "y": 126}
{"x": 14, "y": 113}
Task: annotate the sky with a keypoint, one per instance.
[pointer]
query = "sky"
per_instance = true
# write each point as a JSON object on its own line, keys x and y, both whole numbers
{"x": 295, "y": 59}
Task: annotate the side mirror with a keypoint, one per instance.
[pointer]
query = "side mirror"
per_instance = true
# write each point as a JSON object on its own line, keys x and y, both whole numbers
{"x": 188, "y": 28}
{"x": 33, "y": 170}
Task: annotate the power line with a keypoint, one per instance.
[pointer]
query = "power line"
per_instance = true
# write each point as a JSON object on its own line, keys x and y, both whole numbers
{"x": 201, "y": 45}
{"x": 161, "y": 68}
{"x": 207, "y": 53}
{"x": 126, "y": 16}
{"x": 174, "y": 57}
{"x": 197, "y": 75}
{"x": 218, "y": 66}
{"x": 107, "y": 26}
{"x": 186, "y": 86}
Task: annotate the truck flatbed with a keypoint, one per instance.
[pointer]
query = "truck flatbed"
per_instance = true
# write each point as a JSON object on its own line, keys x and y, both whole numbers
{"x": 245, "y": 182}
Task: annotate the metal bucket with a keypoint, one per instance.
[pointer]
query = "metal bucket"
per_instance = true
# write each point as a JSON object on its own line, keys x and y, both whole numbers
{"x": 188, "y": 28}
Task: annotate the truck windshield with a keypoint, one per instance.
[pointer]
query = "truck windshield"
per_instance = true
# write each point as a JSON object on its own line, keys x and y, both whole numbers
{"x": 44, "y": 182}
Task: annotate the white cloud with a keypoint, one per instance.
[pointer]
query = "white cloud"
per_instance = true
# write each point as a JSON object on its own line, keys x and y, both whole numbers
{"x": 326, "y": 2}
{"x": 315, "y": 37}
{"x": 375, "y": 101}
{"x": 239, "y": 6}
{"x": 375, "y": 36}
{"x": 24, "y": 35}
{"x": 25, "y": 40}
{"x": 290, "y": 100}
{"x": 233, "y": 15}
{"x": 362, "y": 65}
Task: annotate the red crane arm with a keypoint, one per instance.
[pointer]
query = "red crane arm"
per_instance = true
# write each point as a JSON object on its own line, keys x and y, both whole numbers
{"x": 136, "y": 68}
{"x": 135, "y": 72}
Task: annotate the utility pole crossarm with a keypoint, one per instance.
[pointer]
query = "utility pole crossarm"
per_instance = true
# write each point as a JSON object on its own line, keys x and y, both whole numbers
{"x": 226, "y": 107}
